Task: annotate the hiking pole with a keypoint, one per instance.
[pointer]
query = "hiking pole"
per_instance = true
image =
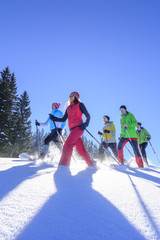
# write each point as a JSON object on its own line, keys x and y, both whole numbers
{"x": 102, "y": 146}
{"x": 101, "y": 138}
{"x": 129, "y": 151}
{"x": 154, "y": 151}
{"x": 61, "y": 138}
{"x": 128, "y": 162}
{"x": 106, "y": 144}
{"x": 59, "y": 135}
{"x": 37, "y": 134}
{"x": 132, "y": 144}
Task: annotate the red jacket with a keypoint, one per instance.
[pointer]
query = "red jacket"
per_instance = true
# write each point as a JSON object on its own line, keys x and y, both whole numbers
{"x": 74, "y": 115}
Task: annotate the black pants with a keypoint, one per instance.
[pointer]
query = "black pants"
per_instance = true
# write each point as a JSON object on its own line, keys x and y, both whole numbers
{"x": 143, "y": 151}
{"x": 105, "y": 145}
{"x": 133, "y": 143}
{"x": 53, "y": 136}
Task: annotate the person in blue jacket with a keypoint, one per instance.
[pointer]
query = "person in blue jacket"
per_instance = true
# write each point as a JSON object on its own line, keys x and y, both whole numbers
{"x": 54, "y": 127}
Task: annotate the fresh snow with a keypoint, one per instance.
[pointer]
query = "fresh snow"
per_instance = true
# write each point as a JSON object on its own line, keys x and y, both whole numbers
{"x": 40, "y": 201}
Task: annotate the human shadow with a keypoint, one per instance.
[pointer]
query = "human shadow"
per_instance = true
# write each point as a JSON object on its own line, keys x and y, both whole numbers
{"x": 152, "y": 169}
{"x": 78, "y": 212}
{"x": 138, "y": 173}
{"x": 12, "y": 177}
{"x": 145, "y": 209}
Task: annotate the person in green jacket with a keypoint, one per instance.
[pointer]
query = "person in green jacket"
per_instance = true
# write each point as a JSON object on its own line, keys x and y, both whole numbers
{"x": 143, "y": 138}
{"x": 128, "y": 133}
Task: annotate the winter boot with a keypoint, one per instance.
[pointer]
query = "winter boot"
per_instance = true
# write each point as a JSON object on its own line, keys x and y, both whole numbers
{"x": 139, "y": 162}
{"x": 120, "y": 156}
{"x": 145, "y": 160}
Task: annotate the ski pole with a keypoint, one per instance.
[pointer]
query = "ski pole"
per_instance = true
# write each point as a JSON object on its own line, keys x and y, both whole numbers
{"x": 102, "y": 146}
{"x": 129, "y": 151}
{"x": 101, "y": 138}
{"x": 131, "y": 155}
{"x": 61, "y": 137}
{"x": 106, "y": 144}
{"x": 38, "y": 147}
{"x": 154, "y": 151}
{"x": 132, "y": 144}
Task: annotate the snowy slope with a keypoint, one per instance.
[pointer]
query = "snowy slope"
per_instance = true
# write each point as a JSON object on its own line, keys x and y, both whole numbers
{"x": 39, "y": 201}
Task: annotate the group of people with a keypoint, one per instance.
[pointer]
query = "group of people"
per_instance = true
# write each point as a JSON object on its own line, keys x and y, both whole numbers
{"x": 128, "y": 133}
{"x": 74, "y": 113}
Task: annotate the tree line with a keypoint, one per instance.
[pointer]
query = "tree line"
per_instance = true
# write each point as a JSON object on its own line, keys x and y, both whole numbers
{"x": 16, "y": 134}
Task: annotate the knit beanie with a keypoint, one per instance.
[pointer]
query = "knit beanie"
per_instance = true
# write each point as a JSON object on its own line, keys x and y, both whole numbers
{"x": 107, "y": 117}
{"x": 76, "y": 94}
{"x": 57, "y": 105}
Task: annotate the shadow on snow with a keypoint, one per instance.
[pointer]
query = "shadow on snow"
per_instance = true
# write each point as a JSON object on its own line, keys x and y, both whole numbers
{"x": 77, "y": 211}
{"x": 138, "y": 173}
{"x": 14, "y": 176}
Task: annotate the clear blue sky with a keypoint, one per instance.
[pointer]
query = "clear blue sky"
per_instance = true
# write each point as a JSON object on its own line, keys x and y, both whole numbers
{"x": 108, "y": 51}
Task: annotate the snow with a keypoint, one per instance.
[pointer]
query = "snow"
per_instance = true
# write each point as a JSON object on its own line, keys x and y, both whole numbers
{"x": 41, "y": 201}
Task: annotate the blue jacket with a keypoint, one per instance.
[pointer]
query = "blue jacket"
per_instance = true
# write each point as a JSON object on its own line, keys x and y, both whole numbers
{"x": 56, "y": 113}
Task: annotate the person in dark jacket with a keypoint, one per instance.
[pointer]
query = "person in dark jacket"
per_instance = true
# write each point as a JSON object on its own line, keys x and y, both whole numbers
{"x": 76, "y": 125}
{"x": 143, "y": 138}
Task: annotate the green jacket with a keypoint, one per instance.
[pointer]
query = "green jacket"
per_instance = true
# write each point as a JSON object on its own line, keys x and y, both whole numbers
{"x": 131, "y": 122}
{"x": 141, "y": 135}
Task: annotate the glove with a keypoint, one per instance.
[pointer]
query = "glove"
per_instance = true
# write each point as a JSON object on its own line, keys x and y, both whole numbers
{"x": 59, "y": 130}
{"x": 52, "y": 117}
{"x": 100, "y": 133}
{"x": 83, "y": 126}
{"x": 106, "y": 131}
{"x": 37, "y": 123}
{"x": 148, "y": 138}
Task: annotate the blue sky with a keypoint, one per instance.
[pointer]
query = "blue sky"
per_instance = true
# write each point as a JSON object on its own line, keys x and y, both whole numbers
{"x": 108, "y": 51}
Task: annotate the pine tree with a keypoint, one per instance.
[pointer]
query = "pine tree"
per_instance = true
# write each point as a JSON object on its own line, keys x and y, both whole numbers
{"x": 95, "y": 151}
{"x": 90, "y": 147}
{"x": 8, "y": 97}
{"x": 21, "y": 135}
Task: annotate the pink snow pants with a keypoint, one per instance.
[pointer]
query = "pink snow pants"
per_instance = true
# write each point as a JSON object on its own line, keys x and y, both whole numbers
{"x": 74, "y": 139}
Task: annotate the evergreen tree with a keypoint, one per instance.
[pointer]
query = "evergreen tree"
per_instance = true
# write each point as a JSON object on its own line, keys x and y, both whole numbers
{"x": 95, "y": 151}
{"x": 21, "y": 135}
{"x": 90, "y": 147}
{"x": 8, "y": 97}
